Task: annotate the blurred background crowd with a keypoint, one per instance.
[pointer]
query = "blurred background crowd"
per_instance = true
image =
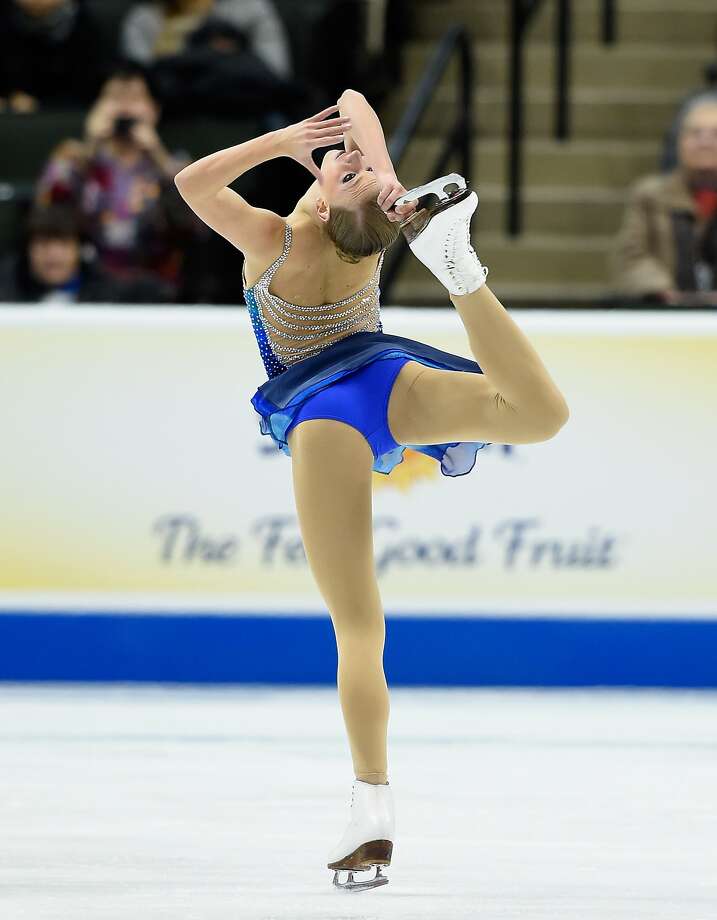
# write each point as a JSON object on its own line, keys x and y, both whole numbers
{"x": 102, "y": 102}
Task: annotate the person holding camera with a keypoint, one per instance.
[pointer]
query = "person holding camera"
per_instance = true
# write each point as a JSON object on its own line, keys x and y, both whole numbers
{"x": 120, "y": 176}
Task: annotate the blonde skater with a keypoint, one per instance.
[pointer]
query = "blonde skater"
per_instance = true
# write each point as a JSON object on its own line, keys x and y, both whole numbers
{"x": 343, "y": 398}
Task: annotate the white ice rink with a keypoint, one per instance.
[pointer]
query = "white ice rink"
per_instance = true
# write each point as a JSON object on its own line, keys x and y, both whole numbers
{"x": 152, "y": 802}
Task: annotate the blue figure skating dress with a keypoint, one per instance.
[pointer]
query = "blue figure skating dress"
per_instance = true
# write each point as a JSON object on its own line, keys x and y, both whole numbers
{"x": 348, "y": 378}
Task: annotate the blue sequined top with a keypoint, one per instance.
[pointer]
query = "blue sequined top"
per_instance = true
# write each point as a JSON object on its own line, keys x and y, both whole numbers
{"x": 287, "y": 333}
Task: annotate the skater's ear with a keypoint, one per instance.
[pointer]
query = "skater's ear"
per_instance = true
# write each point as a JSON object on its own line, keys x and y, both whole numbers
{"x": 322, "y": 209}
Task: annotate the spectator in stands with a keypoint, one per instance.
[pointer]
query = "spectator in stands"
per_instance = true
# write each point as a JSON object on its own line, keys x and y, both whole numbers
{"x": 666, "y": 250}
{"x": 120, "y": 176}
{"x": 49, "y": 54}
{"x": 668, "y": 156}
{"x": 153, "y": 30}
{"x": 56, "y": 265}
{"x": 216, "y": 57}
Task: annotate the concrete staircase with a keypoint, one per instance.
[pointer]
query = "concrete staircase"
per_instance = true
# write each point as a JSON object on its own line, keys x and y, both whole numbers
{"x": 623, "y": 98}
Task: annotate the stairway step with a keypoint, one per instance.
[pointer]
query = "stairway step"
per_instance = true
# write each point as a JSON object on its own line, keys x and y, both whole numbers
{"x": 429, "y": 293}
{"x": 624, "y": 98}
{"x": 624, "y": 113}
{"x": 637, "y": 20}
{"x": 658, "y": 65}
{"x": 597, "y": 164}
{"x": 555, "y": 210}
{"x": 534, "y": 258}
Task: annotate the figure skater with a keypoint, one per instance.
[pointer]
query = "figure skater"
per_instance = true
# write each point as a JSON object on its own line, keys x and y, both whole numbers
{"x": 343, "y": 398}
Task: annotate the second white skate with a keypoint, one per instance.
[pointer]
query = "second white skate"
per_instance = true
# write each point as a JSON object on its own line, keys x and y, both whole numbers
{"x": 367, "y": 842}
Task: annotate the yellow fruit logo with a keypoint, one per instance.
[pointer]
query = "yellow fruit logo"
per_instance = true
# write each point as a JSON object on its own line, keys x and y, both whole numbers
{"x": 414, "y": 467}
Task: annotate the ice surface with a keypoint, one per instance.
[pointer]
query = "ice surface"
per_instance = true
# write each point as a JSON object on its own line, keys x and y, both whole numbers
{"x": 152, "y": 802}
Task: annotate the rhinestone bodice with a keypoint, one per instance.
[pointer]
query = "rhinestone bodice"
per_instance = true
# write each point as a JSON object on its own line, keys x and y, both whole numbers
{"x": 287, "y": 333}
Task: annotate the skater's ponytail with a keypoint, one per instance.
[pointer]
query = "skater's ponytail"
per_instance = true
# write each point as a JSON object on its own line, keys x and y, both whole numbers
{"x": 361, "y": 232}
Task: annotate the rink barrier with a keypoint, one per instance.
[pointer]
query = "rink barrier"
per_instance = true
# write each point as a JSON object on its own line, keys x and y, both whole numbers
{"x": 420, "y": 651}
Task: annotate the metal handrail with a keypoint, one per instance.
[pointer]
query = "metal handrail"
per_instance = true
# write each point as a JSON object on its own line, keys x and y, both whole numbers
{"x": 609, "y": 22}
{"x": 458, "y": 140}
{"x": 522, "y": 13}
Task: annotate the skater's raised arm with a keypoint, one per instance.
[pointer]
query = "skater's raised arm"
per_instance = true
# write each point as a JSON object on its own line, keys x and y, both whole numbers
{"x": 203, "y": 184}
{"x": 366, "y": 135}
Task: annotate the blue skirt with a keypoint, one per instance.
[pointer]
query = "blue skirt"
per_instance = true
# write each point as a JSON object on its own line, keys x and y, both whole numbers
{"x": 278, "y": 399}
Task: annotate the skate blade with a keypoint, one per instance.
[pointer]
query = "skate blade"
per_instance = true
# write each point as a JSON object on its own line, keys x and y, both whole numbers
{"x": 441, "y": 188}
{"x": 414, "y": 225}
{"x": 352, "y": 885}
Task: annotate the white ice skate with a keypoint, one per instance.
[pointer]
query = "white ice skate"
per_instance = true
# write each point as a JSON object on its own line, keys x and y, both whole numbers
{"x": 439, "y": 232}
{"x": 368, "y": 839}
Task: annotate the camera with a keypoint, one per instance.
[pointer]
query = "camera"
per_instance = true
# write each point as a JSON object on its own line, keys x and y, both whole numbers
{"x": 123, "y": 126}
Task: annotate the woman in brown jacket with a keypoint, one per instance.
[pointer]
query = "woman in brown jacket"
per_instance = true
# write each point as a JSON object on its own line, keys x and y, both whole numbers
{"x": 666, "y": 249}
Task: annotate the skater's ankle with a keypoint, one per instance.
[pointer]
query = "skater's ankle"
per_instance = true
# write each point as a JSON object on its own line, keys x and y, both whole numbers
{"x": 376, "y": 779}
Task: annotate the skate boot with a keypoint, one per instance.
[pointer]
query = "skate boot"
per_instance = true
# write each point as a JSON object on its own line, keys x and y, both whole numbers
{"x": 439, "y": 232}
{"x": 368, "y": 840}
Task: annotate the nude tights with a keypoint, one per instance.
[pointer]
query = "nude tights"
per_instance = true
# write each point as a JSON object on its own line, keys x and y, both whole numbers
{"x": 332, "y": 478}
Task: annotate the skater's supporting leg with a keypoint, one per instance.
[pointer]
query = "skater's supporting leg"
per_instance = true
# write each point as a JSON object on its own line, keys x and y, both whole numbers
{"x": 331, "y": 469}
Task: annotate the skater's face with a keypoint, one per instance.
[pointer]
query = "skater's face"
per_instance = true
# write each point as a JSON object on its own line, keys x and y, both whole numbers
{"x": 347, "y": 179}
{"x": 698, "y": 138}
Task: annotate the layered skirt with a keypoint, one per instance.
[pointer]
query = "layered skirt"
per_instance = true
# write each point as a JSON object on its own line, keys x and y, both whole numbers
{"x": 278, "y": 399}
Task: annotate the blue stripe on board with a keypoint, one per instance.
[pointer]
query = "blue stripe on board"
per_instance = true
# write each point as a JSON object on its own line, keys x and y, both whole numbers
{"x": 437, "y": 651}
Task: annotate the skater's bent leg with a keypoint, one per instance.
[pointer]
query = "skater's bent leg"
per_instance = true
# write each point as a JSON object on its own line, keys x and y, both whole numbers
{"x": 508, "y": 359}
{"x": 331, "y": 470}
{"x": 514, "y": 400}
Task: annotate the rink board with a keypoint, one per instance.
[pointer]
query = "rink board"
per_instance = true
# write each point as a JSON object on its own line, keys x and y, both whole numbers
{"x": 149, "y": 532}
{"x": 419, "y": 651}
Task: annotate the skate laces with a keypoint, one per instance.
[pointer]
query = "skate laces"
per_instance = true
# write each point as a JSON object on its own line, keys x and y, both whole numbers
{"x": 456, "y": 254}
{"x": 460, "y": 258}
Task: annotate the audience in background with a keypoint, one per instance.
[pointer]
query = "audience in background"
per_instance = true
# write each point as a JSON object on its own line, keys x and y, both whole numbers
{"x": 666, "y": 250}
{"x": 668, "y": 156}
{"x": 49, "y": 55}
{"x": 220, "y": 57}
{"x": 185, "y": 58}
{"x": 154, "y": 30}
{"x": 120, "y": 177}
{"x": 56, "y": 265}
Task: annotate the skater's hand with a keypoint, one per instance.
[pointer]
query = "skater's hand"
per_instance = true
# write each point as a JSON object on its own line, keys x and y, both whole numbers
{"x": 299, "y": 140}
{"x": 391, "y": 190}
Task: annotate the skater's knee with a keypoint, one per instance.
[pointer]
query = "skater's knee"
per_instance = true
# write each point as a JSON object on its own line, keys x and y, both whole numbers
{"x": 356, "y": 607}
{"x": 359, "y": 626}
{"x": 552, "y": 417}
